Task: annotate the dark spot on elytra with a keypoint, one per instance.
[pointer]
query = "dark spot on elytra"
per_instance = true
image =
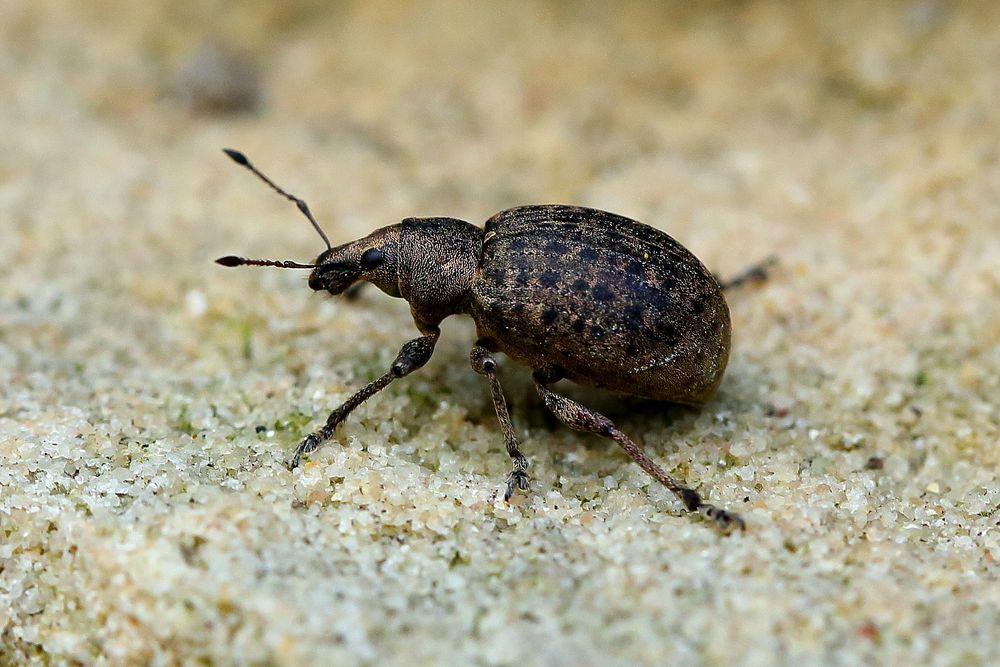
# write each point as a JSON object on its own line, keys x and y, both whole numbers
{"x": 698, "y": 305}
{"x": 498, "y": 277}
{"x": 517, "y": 246}
{"x": 635, "y": 310}
{"x": 556, "y": 247}
{"x": 548, "y": 278}
{"x": 580, "y": 285}
{"x": 549, "y": 315}
{"x": 596, "y": 331}
{"x": 646, "y": 292}
{"x": 668, "y": 331}
{"x": 635, "y": 267}
{"x": 602, "y": 292}
{"x": 631, "y": 350}
{"x": 588, "y": 254}
{"x": 578, "y": 325}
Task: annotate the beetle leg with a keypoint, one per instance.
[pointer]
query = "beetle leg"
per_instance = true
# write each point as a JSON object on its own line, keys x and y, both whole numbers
{"x": 755, "y": 273}
{"x": 582, "y": 418}
{"x": 483, "y": 363}
{"x": 412, "y": 355}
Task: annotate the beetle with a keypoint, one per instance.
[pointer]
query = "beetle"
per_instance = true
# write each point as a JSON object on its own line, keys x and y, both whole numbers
{"x": 570, "y": 292}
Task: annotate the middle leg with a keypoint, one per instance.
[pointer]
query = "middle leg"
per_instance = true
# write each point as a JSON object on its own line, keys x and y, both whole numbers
{"x": 483, "y": 363}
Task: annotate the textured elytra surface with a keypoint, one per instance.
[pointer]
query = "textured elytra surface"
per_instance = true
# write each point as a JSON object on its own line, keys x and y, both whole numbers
{"x": 607, "y": 301}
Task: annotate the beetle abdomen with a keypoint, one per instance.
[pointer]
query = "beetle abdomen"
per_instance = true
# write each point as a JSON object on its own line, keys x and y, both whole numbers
{"x": 612, "y": 302}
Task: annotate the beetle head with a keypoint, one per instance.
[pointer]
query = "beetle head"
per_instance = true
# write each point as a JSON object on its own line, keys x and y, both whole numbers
{"x": 372, "y": 258}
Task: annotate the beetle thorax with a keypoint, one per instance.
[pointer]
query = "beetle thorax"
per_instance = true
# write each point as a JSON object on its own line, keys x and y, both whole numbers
{"x": 438, "y": 258}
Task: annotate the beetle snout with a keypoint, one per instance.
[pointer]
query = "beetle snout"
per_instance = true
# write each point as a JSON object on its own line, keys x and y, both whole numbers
{"x": 334, "y": 277}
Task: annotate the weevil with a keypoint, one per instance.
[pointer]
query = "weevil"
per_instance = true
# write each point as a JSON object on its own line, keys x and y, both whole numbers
{"x": 572, "y": 293}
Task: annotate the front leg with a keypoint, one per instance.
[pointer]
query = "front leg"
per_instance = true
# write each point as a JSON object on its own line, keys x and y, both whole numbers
{"x": 483, "y": 363}
{"x": 412, "y": 355}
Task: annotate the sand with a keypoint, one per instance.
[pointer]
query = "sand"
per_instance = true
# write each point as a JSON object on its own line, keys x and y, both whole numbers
{"x": 151, "y": 398}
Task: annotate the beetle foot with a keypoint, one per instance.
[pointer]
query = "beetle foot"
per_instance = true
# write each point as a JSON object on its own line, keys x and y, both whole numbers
{"x": 725, "y": 520}
{"x": 308, "y": 444}
{"x": 517, "y": 479}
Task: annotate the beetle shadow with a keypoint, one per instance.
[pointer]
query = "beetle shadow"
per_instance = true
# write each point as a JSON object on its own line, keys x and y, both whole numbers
{"x": 629, "y": 413}
{"x": 453, "y": 376}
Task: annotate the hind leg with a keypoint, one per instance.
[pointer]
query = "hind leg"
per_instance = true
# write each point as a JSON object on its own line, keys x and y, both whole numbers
{"x": 582, "y": 418}
{"x": 757, "y": 273}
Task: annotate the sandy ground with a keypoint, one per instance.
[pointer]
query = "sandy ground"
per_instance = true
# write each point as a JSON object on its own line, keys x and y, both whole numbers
{"x": 150, "y": 398}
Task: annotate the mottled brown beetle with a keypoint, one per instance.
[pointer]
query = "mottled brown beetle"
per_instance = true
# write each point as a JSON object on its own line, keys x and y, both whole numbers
{"x": 570, "y": 292}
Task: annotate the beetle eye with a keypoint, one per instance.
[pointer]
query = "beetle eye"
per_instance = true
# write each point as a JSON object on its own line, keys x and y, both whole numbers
{"x": 371, "y": 259}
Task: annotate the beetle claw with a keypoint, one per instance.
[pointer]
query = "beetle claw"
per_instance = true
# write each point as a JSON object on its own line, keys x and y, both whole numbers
{"x": 517, "y": 479}
{"x": 308, "y": 444}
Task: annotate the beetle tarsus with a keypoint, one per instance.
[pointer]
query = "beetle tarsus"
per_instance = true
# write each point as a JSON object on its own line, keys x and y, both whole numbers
{"x": 726, "y": 521}
{"x": 308, "y": 444}
{"x": 516, "y": 480}
{"x": 690, "y": 498}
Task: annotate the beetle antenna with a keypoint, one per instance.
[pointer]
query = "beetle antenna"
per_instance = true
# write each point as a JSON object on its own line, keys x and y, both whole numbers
{"x": 233, "y": 260}
{"x": 241, "y": 159}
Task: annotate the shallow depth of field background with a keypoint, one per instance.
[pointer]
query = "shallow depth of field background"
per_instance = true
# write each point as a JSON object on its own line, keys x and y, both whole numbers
{"x": 150, "y": 398}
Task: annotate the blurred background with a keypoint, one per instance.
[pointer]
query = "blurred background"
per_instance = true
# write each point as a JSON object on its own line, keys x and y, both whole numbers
{"x": 730, "y": 123}
{"x": 856, "y": 429}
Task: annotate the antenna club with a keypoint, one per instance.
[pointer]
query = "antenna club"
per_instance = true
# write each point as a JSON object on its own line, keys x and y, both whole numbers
{"x": 237, "y": 157}
{"x": 233, "y": 260}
